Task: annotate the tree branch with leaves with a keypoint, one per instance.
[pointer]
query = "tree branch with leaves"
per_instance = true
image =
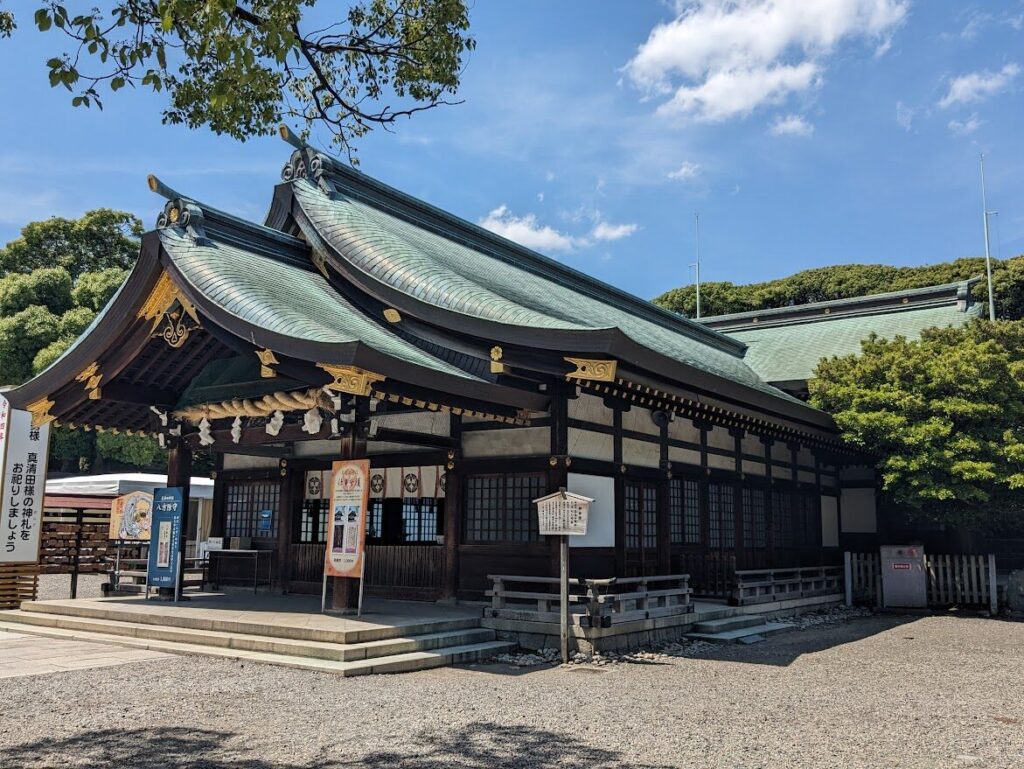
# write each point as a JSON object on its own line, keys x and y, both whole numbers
{"x": 242, "y": 68}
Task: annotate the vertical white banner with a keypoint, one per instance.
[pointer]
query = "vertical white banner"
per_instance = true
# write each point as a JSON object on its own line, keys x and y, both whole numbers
{"x": 23, "y": 450}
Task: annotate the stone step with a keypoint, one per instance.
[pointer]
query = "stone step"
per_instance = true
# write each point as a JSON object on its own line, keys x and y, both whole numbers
{"x": 112, "y": 611}
{"x": 727, "y": 623}
{"x": 747, "y": 634}
{"x": 257, "y": 643}
{"x": 396, "y": 663}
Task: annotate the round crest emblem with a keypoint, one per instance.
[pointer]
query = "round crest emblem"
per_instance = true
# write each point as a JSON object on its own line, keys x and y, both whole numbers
{"x": 377, "y": 483}
{"x": 314, "y": 486}
{"x": 411, "y": 482}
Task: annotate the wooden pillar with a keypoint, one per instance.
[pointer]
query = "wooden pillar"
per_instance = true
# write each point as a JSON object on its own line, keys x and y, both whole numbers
{"x": 292, "y": 485}
{"x": 664, "y": 516}
{"x": 179, "y": 475}
{"x": 453, "y": 514}
{"x": 620, "y": 494}
{"x": 558, "y": 469}
{"x": 218, "y": 525}
{"x": 345, "y": 590}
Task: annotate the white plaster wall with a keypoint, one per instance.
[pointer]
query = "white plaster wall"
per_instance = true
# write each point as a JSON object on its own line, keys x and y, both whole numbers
{"x": 683, "y": 456}
{"x": 753, "y": 468}
{"x": 859, "y": 515}
{"x": 510, "y": 442}
{"x": 641, "y": 453}
{"x": 429, "y": 422}
{"x": 805, "y": 476}
{"x": 317, "y": 448}
{"x": 752, "y": 445}
{"x": 682, "y": 429}
{"x": 586, "y": 444}
{"x": 781, "y": 452}
{"x": 590, "y": 408}
{"x": 829, "y": 521}
{"x": 245, "y": 462}
{"x": 722, "y": 463}
{"x": 719, "y": 437}
{"x": 601, "y": 518}
{"x": 639, "y": 421}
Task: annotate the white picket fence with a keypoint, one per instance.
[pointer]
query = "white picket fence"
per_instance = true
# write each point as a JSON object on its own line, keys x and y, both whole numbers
{"x": 953, "y": 580}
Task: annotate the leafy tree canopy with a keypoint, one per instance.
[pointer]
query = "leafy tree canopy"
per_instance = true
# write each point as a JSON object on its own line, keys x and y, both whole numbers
{"x": 100, "y": 240}
{"x": 943, "y": 415}
{"x": 240, "y": 68}
{"x": 850, "y": 280}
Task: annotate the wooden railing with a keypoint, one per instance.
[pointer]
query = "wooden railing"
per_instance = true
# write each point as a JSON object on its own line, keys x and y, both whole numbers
{"x": 592, "y": 602}
{"x": 767, "y": 585}
{"x": 405, "y": 570}
{"x": 863, "y": 580}
{"x": 711, "y": 574}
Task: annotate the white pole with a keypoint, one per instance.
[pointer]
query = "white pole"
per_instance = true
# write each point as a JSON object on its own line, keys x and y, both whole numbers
{"x": 323, "y": 595}
{"x": 696, "y": 265}
{"x": 563, "y": 547}
{"x": 988, "y": 259}
{"x": 362, "y": 575}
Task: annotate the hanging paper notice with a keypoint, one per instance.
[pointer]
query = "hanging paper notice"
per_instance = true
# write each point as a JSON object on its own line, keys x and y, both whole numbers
{"x": 346, "y": 536}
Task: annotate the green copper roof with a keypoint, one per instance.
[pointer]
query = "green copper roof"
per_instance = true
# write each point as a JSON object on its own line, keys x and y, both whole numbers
{"x": 786, "y": 353}
{"x": 457, "y": 267}
{"x": 282, "y": 298}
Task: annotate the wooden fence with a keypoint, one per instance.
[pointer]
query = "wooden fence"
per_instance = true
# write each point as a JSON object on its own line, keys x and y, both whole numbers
{"x": 952, "y": 580}
{"x": 711, "y": 574}
{"x": 18, "y": 582}
{"x": 766, "y": 585}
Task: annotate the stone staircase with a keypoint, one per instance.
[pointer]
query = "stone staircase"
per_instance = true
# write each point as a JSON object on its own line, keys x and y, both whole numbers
{"x": 741, "y": 628}
{"x": 376, "y": 649}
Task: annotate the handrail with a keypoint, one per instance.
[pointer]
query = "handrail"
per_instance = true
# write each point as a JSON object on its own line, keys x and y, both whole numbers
{"x": 753, "y": 586}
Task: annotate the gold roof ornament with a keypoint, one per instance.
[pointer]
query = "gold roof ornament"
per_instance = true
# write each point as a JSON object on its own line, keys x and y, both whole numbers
{"x": 595, "y": 370}
{"x": 40, "y": 411}
{"x": 158, "y": 308}
{"x": 391, "y": 315}
{"x": 497, "y": 367}
{"x": 267, "y": 359}
{"x": 350, "y": 379}
{"x": 91, "y": 377}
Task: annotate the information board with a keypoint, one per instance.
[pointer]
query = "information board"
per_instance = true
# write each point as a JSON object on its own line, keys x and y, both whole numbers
{"x": 23, "y": 454}
{"x": 346, "y": 534}
{"x": 165, "y": 537}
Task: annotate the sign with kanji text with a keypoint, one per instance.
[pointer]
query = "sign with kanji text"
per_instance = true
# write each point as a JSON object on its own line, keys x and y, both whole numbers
{"x": 346, "y": 534}
{"x": 165, "y": 537}
{"x": 562, "y": 513}
{"x": 23, "y": 454}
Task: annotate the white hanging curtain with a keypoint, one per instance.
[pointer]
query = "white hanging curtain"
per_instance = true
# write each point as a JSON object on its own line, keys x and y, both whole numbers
{"x": 378, "y": 482}
{"x": 393, "y": 483}
{"x": 318, "y": 485}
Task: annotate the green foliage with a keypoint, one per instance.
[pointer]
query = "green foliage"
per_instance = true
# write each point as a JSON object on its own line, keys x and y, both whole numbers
{"x": 16, "y": 293}
{"x": 22, "y": 335}
{"x": 944, "y": 415}
{"x": 242, "y": 68}
{"x": 7, "y": 24}
{"x": 74, "y": 449}
{"x": 137, "y": 450}
{"x": 75, "y": 321}
{"x": 95, "y": 289}
{"x": 46, "y": 356}
{"x": 100, "y": 240}
{"x": 48, "y": 287}
{"x": 850, "y": 280}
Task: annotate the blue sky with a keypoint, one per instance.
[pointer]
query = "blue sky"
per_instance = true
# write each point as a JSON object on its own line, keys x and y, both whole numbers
{"x": 805, "y": 132}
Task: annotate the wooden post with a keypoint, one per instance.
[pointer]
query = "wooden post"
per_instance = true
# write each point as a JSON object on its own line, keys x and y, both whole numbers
{"x": 558, "y": 472}
{"x": 452, "y": 516}
{"x": 993, "y": 590}
{"x": 345, "y": 590}
{"x": 292, "y": 486}
{"x": 179, "y": 474}
{"x": 564, "y": 597}
{"x": 848, "y": 577}
{"x": 79, "y": 516}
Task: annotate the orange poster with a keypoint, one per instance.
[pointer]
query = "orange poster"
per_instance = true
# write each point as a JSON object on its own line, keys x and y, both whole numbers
{"x": 346, "y": 535}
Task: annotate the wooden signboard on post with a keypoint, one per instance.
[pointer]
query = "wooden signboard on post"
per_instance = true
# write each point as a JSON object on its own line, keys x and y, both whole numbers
{"x": 346, "y": 530}
{"x": 563, "y": 514}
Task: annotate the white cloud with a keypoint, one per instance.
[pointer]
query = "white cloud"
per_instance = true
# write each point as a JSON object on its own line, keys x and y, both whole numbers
{"x": 526, "y": 231}
{"x": 721, "y": 58}
{"x": 687, "y": 171}
{"x": 975, "y": 86}
{"x": 606, "y": 231}
{"x": 904, "y": 116}
{"x": 540, "y": 197}
{"x": 790, "y": 125}
{"x": 965, "y": 127}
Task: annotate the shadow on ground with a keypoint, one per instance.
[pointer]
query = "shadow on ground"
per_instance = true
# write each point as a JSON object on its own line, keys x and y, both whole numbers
{"x": 477, "y": 746}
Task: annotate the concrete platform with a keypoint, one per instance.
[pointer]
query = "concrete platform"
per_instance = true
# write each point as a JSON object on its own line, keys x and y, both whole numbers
{"x": 390, "y": 636}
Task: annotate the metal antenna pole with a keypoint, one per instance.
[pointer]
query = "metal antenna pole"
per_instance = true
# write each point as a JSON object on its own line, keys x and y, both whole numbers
{"x": 696, "y": 265}
{"x": 988, "y": 258}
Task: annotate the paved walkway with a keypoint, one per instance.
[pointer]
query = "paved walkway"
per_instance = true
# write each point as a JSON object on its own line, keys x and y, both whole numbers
{"x": 28, "y": 655}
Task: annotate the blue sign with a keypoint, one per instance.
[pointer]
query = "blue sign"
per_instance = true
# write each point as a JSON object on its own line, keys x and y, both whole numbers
{"x": 165, "y": 537}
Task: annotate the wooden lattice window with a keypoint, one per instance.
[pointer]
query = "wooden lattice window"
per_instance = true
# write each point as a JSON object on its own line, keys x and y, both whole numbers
{"x": 721, "y": 515}
{"x": 782, "y": 518}
{"x": 499, "y": 508}
{"x": 641, "y": 516}
{"x": 684, "y": 511}
{"x": 251, "y": 508}
{"x": 419, "y": 520}
{"x": 755, "y": 528}
{"x": 313, "y": 521}
{"x": 375, "y": 519}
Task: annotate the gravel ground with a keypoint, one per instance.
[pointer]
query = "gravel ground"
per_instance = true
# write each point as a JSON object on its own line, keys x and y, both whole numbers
{"x": 883, "y": 691}
{"x": 53, "y": 586}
